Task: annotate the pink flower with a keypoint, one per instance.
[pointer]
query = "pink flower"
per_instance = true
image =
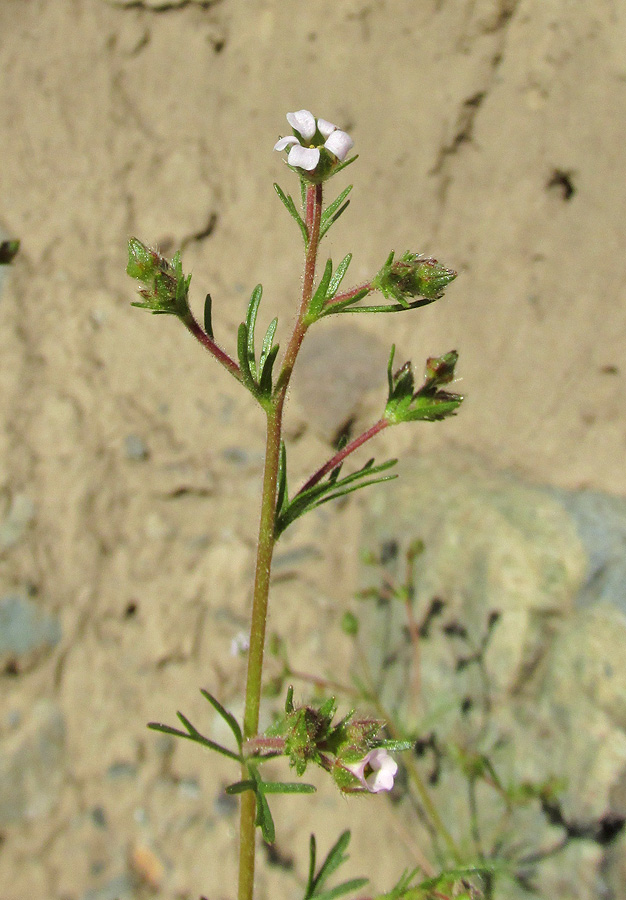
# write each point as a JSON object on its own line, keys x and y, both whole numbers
{"x": 310, "y": 133}
{"x": 376, "y": 771}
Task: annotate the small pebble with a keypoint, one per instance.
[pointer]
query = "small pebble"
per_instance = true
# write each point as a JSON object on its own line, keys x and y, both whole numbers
{"x": 135, "y": 448}
{"x": 148, "y": 867}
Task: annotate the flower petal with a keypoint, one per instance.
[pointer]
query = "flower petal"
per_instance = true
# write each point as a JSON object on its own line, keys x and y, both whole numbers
{"x": 303, "y": 122}
{"x": 340, "y": 144}
{"x": 285, "y": 142}
{"x": 303, "y": 157}
{"x": 384, "y": 771}
{"x": 326, "y": 128}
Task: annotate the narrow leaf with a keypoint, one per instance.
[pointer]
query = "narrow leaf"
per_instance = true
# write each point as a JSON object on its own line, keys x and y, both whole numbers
{"x": 196, "y": 737}
{"x": 265, "y": 380}
{"x": 238, "y": 787}
{"x": 390, "y": 369}
{"x": 190, "y": 728}
{"x": 281, "y": 495}
{"x": 264, "y": 819}
{"x": 267, "y": 342}
{"x": 355, "y": 487}
{"x": 347, "y": 887}
{"x": 385, "y": 308}
{"x": 344, "y": 165}
{"x": 290, "y": 206}
{"x": 330, "y": 490}
{"x": 337, "y": 278}
{"x": 332, "y": 208}
{"x": 335, "y": 857}
{"x": 208, "y": 324}
{"x": 244, "y": 361}
{"x": 253, "y": 308}
{"x": 337, "y": 306}
{"x": 310, "y": 885}
{"x": 227, "y": 716}
{"x": 396, "y": 746}
{"x": 320, "y": 295}
{"x": 326, "y": 226}
{"x": 286, "y": 787}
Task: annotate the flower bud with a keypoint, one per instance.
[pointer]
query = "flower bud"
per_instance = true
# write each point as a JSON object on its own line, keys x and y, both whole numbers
{"x": 165, "y": 287}
{"x": 413, "y": 276}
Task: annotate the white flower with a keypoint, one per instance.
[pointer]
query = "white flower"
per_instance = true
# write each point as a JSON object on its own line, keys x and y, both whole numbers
{"x": 381, "y": 770}
{"x": 303, "y": 153}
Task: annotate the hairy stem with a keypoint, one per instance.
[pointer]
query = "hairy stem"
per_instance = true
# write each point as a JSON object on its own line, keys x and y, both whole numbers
{"x": 265, "y": 547}
{"x": 339, "y": 457}
{"x": 220, "y": 355}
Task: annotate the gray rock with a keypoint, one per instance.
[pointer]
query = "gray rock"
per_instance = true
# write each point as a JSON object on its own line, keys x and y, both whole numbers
{"x": 119, "y": 888}
{"x": 492, "y": 545}
{"x": 32, "y": 765}
{"x": 601, "y": 524}
{"x": 26, "y": 631}
{"x": 542, "y": 693}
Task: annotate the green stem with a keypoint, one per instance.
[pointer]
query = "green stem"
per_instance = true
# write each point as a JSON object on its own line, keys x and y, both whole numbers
{"x": 265, "y": 547}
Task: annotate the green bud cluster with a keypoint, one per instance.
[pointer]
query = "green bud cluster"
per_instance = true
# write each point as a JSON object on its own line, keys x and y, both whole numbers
{"x": 413, "y": 275}
{"x": 429, "y": 403}
{"x": 310, "y": 737}
{"x": 166, "y": 288}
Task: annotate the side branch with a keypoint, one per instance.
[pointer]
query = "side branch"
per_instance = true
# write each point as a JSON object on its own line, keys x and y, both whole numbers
{"x": 220, "y": 355}
{"x": 342, "y": 454}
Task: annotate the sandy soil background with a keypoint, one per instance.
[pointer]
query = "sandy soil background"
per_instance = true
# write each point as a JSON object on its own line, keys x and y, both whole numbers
{"x": 491, "y": 135}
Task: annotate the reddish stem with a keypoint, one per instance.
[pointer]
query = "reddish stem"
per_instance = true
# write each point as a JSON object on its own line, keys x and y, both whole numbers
{"x": 260, "y": 744}
{"x": 220, "y": 355}
{"x": 339, "y": 457}
{"x": 348, "y": 295}
{"x": 313, "y": 215}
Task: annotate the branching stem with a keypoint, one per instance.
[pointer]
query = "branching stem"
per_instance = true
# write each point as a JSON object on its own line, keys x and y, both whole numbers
{"x": 265, "y": 548}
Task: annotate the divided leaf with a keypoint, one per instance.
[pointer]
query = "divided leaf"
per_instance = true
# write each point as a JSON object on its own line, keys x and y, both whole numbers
{"x": 330, "y": 488}
{"x": 192, "y": 734}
